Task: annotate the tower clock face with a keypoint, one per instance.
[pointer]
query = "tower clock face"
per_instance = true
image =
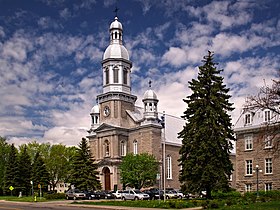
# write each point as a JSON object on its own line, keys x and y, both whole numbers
{"x": 106, "y": 111}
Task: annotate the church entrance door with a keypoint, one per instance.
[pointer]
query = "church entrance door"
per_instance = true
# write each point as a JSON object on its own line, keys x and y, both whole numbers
{"x": 107, "y": 178}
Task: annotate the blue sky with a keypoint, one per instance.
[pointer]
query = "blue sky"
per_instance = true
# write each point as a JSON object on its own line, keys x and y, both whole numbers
{"x": 51, "y": 51}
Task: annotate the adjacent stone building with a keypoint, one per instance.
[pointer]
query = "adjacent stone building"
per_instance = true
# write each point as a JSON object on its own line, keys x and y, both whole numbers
{"x": 119, "y": 127}
{"x": 257, "y": 162}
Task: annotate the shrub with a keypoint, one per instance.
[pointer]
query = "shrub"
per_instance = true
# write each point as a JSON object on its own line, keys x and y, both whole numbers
{"x": 55, "y": 196}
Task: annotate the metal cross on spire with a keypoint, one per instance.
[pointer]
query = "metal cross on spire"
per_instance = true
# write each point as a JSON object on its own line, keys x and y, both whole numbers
{"x": 150, "y": 83}
{"x": 117, "y": 9}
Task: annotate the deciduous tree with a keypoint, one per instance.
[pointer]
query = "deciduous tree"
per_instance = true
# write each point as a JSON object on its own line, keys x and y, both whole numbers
{"x": 206, "y": 145}
{"x": 139, "y": 170}
{"x": 268, "y": 98}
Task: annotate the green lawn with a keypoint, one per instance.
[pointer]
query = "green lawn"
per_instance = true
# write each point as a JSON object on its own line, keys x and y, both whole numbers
{"x": 273, "y": 205}
{"x": 22, "y": 199}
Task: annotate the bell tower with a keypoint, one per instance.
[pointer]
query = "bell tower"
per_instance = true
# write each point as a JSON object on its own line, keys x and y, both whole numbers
{"x": 116, "y": 67}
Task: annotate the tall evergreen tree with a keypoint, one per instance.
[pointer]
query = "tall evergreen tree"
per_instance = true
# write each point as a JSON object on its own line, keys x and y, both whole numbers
{"x": 84, "y": 170}
{"x": 4, "y": 151}
{"x": 12, "y": 172}
{"x": 39, "y": 174}
{"x": 24, "y": 171}
{"x": 206, "y": 145}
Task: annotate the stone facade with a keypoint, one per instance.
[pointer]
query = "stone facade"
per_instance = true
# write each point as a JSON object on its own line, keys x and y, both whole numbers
{"x": 119, "y": 127}
{"x": 257, "y": 162}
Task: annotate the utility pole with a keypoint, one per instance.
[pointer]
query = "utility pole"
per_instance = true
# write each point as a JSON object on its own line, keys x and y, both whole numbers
{"x": 163, "y": 154}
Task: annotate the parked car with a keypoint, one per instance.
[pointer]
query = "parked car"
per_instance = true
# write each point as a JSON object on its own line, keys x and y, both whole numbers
{"x": 75, "y": 194}
{"x": 105, "y": 194}
{"x": 134, "y": 195}
{"x": 92, "y": 195}
{"x": 180, "y": 194}
{"x": 118, "y": 194}
{"x": 154, "y": 193}
{"x": 171, "y": 194}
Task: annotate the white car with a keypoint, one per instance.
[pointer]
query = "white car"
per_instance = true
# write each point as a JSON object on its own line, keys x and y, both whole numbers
{"x": 134, "y": 195}
{"x": 118, "y": 194}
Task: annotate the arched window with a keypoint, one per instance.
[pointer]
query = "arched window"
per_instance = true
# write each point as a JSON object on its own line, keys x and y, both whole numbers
{"x": 135, "y": 147}
{"x": 151, "y": 106}
{"x": 123, "y": 148}
{"x": 116, "y": 35}
{"x": 125, "y": 76}
{"x": 106, "y": 76}
{"x": 116, "y": 75}
{"x": 92, "y": 119}
{"x": 169, "y": 167}
{"x": 106, "y": 148}
{"x": 96, "y": 120}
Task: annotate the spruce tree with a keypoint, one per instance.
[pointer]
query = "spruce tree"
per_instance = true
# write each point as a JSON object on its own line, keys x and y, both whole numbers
{"x": 12, "y": 172}
{"x": 84, "y": 170}
{"x": 24, "y": 171}
{"x": 206, "y": 145}
{"x": 4, "y": 152}
{"x": 39, "y": 173}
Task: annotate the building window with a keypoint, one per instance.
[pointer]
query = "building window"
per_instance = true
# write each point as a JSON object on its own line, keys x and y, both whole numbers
{"x": 249, "y": 167}
{"x": 135, "y": 147}
{"x": 230, "y": 178}
{"x": 123, "y": 148}
{"x": 268, "y": 186}
{"x": 248, "y": 142}
{"x": 267, "y": 115}
{"x": 169, "y": 167}
{"x": 248, "y": 119}
{"x": 268, "y": 165}
{"x": 116, "y": 75}
{"x": 267, "y": 142}
{"x": 125, "y": 76}
{"x": 107, "y": 148}
{"x": 248, "y": 187}
{"x": 106, "y": 76}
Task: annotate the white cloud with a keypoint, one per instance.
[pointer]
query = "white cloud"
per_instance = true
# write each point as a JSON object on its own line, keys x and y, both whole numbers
{"x": 65, "y": 13}
{"x": 175, "y": 56}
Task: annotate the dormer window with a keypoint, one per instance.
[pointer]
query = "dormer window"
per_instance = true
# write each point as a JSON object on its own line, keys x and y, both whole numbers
{"x": 248, "y": 119}
{"x": 267, "y": 115}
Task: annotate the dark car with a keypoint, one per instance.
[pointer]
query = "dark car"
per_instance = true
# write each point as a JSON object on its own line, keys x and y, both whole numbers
{"x": 105, "y": 194}
{"x": 154, "y": 194}
{"x": 91, "y": 195}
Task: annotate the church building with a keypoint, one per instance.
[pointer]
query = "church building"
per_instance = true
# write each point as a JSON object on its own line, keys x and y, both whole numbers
{"x": 120, "y": 127}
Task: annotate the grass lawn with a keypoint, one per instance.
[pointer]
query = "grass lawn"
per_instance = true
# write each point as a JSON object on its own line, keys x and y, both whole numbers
{"x": 22, "y": 199}
{"x": 272, "y": 205}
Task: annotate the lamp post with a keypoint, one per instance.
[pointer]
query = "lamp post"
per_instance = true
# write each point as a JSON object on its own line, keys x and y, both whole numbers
{"x": 257, "y": 172}
{"x": 163, "y": 155}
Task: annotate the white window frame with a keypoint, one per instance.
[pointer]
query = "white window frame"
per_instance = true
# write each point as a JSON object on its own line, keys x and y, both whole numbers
{"x": 267, "y": 142}
{"x": 248, "y": 187}
{"x": 268, "y": 166}
{"x": 123, "y": 148}
{"x": 267, "y": 116}
{"x": 249, "y": 167}
{"x": 169, "y": 167}
{"x": 248, "y": 142}
{"x": 268, "y": 186}
{"x": 248, "y": 119}
{"x": 135, "y": 147}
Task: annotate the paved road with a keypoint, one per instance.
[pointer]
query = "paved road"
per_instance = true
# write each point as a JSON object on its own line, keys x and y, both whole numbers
{"x": 63, "y": 205}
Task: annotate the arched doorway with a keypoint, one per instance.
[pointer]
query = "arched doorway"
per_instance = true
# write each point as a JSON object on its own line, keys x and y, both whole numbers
{"x": 107, "y": 178}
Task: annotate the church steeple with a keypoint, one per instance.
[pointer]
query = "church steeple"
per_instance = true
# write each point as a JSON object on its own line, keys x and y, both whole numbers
{"x": 116, "y": 64}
